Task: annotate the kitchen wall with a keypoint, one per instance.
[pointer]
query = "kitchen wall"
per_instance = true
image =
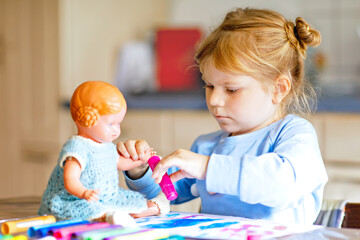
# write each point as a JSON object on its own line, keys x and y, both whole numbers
{"x": 338, "y": 22}
{"x": 93, "y": 32}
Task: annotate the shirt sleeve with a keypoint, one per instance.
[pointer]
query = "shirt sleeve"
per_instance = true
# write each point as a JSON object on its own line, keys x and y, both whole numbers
{"x": 281, "y": 177}
{"x": 147, "y": 186}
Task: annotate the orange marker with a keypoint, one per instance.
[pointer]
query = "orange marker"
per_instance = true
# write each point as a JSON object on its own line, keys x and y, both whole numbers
{"x": 22, "y": 225}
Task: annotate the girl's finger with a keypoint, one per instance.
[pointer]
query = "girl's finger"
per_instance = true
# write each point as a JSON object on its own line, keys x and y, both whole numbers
{"x": 130, "y": 146}
{"x": 160, "y": 169}
{"x": 176, "y": 176}
{"x": 122, "y": 150}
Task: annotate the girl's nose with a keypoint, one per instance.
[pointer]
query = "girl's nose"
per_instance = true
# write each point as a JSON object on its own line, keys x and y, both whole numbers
{"x": 216, "y": 98}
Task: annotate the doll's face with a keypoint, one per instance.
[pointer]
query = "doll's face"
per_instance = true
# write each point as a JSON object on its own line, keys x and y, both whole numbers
{"x": 106, "y": 129}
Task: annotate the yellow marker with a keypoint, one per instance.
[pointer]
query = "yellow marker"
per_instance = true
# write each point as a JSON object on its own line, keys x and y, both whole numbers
{"x": 19, "y": 237}
{"x": 22, "y": 225}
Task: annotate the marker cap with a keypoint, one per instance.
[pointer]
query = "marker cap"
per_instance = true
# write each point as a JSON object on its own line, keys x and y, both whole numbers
{"x": 22, "y": 225}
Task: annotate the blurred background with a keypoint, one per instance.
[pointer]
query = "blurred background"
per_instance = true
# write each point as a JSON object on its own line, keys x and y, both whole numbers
{"x": 146, "y": 48}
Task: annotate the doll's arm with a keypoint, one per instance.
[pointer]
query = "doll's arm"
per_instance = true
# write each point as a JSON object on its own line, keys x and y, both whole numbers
{"x": 125, "y": 164}
{"x": 72, "y": 183}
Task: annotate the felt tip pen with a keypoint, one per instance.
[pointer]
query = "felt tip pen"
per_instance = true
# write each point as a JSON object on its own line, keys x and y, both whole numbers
{"x": 108, "y": 233}
{"x": 43, "y": 230}
{"x": 86, "y": 233}
{"x": 7, "y": 236}
{"x": 14, "y": 237}
{"x": 174, "y": 237}
{"x": 20, "y": 237}
{"x": 146, "y": 234}
{"x": 47, "y": 238}
{"x": 22, "y": 225}
{"x": 167, "y": 187}
{"x": 66, "y": 232}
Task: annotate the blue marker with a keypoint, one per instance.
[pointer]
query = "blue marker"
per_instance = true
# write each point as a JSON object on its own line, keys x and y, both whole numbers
{"x": 174, "y": 237}
{"x": 44, "y": 230}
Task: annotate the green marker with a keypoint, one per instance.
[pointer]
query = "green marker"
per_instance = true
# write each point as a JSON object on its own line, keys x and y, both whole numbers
{"x": 99, "y": 235}
{"x": 7, "y": 236}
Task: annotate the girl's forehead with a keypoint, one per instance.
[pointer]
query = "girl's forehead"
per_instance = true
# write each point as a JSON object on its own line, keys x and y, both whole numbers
{"x": 209, "y": 70}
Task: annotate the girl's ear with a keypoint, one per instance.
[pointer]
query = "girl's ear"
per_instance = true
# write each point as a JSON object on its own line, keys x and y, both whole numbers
{"x": 282, "y": 87}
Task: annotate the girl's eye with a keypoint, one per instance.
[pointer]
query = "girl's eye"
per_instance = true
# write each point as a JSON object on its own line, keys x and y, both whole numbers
{"x": 232, "y": 90}
{"x": 208, "y": 86}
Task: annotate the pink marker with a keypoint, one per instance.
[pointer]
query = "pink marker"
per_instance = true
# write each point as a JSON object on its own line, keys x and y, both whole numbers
{"x": 166, "y": 185}
{"x": 65, "y": 233}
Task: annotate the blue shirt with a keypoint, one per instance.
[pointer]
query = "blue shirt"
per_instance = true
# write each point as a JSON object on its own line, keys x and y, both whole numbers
{"x": 275, "y": 173}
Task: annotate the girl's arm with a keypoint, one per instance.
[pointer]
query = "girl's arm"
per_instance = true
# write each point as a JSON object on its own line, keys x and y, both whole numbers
{"x": 291, "y": 173}
{"x": 72, "y": 183}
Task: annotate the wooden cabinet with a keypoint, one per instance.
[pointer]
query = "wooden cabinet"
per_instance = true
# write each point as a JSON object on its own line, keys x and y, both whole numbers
{"x": 339, "y": 138}
{"x": 167, "y": 130}
{"x": 29, "y": 122}
{"x": 47, "y": 48}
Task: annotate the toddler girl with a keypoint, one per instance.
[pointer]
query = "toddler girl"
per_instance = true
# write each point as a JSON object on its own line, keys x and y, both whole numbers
{"x": 265, "y": 161}
{"x": 85, "y": 181}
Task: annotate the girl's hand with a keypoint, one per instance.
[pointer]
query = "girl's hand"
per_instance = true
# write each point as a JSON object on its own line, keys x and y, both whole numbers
{"x": 135, "y": 149}
{"x": 191, "y": 165}
{"x": 91, "y": 195}
{"x": 134, "y": 155}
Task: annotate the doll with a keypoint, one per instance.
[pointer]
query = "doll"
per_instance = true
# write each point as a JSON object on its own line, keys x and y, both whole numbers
{"x": 85, "y": 184}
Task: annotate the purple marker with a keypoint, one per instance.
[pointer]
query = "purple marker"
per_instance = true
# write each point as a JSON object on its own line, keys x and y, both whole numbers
{"x": 166, "y": 185}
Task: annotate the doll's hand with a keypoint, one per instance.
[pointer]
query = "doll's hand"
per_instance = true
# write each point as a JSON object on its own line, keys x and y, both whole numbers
{"x": 91, "y": 195}
{"x": 191, "y": 165}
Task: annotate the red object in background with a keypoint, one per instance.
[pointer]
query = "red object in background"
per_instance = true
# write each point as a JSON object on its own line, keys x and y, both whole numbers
{"x": 175, "y": 50}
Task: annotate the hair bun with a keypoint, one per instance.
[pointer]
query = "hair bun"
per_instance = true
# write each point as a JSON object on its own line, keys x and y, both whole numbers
{"x": 302, "y": 35}
{"x": 87, "y": 116}
{"x": 306, "y": 34}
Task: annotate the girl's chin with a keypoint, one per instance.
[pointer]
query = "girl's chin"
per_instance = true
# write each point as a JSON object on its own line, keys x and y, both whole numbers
{"x": 232, "y": 131}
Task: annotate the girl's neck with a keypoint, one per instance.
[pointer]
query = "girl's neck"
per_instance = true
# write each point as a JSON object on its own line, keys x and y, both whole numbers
{"x": 276, "y": 117}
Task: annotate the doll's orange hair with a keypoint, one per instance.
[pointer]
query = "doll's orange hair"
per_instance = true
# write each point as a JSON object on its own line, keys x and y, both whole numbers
{"x": 93, "y": 99}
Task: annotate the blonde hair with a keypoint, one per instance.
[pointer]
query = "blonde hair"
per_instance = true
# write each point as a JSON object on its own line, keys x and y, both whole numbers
{"x": 264, "y": 45}
{"x": 93, "y": 99}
